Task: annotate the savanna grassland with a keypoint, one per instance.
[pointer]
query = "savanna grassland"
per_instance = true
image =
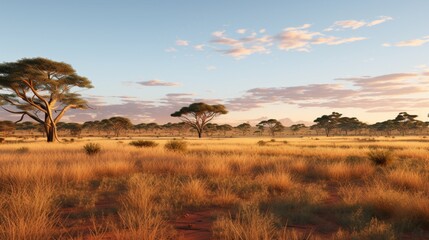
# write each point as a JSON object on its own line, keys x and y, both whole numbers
{"x": 251, "y": 188}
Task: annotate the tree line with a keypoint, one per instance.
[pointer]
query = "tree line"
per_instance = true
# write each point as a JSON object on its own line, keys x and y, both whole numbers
{"x": 42, "y": 90}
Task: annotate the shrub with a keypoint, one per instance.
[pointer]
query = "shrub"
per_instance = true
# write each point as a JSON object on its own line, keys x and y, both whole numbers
{"x": 23, "y": 150}
{"x": 143, "y": 143}
{"x": 92, "y": 148}
{"x": 2, "y": 140}
{"x": 380, "y": 156}
{"x": 176, "y": 146}
{"x": 272, "y": 140}
{"x": 261, "y": 143}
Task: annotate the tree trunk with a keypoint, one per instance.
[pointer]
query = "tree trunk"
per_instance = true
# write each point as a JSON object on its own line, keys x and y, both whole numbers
{"x": 51, "y": 133}
{"x": 200, "y": 132}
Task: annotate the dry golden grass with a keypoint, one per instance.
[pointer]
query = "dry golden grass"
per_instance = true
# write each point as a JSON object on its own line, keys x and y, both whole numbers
{"x": 125, "y": 192}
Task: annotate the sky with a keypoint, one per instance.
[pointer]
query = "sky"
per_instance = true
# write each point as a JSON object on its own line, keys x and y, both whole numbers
{"x": 294, "y": 60}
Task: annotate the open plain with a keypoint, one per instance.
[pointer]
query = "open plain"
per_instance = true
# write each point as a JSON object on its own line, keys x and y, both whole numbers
{"x": 216, "y": 188}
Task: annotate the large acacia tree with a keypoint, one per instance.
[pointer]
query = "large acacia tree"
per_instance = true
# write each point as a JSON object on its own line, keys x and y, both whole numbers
{"x": 197, "y": 115}
{"x": 41, "y": 89}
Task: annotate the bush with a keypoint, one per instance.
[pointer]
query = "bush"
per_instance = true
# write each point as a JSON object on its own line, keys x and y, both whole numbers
{"x": 380, "y": 156}
{"x": 176, "y": 146}
{"x": 143, "y": 143}
{"x": 2, "y": 140}
{"x": 92, "y": 148}
{"x": 272, "y": 140}
{"x": 261, "y": 143}
{"x": 23, "y": 150}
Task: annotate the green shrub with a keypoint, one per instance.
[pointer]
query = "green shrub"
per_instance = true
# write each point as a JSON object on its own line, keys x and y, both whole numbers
{"x": 143, "y": 143}
{"x": 380, "y": 157}
{"x": 261, "y": 143}
{"x": 92, "y": 148}
{"x": 176, "y": 146}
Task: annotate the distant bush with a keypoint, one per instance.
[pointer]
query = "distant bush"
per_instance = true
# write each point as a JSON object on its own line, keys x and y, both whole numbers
{"x": 380, "y": 157}
{"x": 285, "y": 142}
{"x": 272, "y": 140}
{"x": 261, "y": 143}
{"x": 23, "y": 150}
{"x": 92, "y": 148}
{"x": 143, "y": 143}
{"x": 176, "y": 146}
{"x": 2, "y": 140}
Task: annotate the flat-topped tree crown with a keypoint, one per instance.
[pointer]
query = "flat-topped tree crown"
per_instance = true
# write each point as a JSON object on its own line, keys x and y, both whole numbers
{"x": 42, "y": 90}
{"x": 197, "y": 115}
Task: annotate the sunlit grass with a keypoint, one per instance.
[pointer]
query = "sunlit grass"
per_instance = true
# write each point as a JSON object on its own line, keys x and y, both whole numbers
{"x": 297, "y": 183}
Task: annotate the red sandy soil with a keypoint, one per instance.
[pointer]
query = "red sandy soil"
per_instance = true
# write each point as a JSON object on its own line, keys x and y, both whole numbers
{"x": 194, "y": 224}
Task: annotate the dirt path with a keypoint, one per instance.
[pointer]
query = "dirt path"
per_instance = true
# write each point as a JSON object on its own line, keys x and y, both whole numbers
{"x": 195, "y": 225}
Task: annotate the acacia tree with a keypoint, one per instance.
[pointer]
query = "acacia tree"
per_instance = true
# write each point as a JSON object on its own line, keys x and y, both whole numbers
{"x": 328, "y": 122}
{"x": 197, "y": 115}
{"x": 296, "y": 127}
{"x": 119, "y": 124}
{"x": 244, "y": 128}
{"x": 272, "y": 124}
{"x": 347, "y": 124}
{"x": 404, "y": 122}
{"x": 40, "y": 88}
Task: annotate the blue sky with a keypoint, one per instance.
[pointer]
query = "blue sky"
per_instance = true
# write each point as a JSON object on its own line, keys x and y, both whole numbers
{"x": 272, "y": 59}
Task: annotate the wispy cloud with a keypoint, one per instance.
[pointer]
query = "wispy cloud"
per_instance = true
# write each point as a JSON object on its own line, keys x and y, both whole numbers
{"x": 369, "y": 93}
{"x": 158, "y": 83}
{"x": 356, "y": 24}
{"x": 241, "y": 31}
{"x": 241, "y": 47}
{"x": 301, "y": 39}
{"x": 409, "y": 43}
{"x": 199, "y": 47}
{"x": 181, "y": 42}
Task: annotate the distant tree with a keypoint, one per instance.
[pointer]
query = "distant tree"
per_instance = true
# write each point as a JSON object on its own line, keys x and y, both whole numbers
{"x": 120, "y": 124}
{"x": 197, "y": 115}
{"x": 93, "y": 126}
{"x": 404, "y": 122}
{"x": 272, "y": 125}
{"x": 296, "y": 127}
{"x": 7, "y": 127}
{"x": 328, "y": 122}
{"x": 386, "y": 127}
{"x": 39, "y": 86}
{"x": 153, "y": 127}
{"x": 75, "y": 129}
{"x": 225, "y": 128}
{"x": 244, "y": 128}
{"x": 139, "y": 127}
{"x": 347, "y": 124}
{"x": 26, "y": 126}
{"x": 211, "y": 128}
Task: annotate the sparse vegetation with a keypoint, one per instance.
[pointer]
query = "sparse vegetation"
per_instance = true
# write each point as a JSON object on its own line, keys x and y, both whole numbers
{"x": 92, "y": 148}
{"x": 272, "y": 192}
{"x": 143, "y": 143}
{"x": 176, "y": 146}
{"x": 380, "y": 157}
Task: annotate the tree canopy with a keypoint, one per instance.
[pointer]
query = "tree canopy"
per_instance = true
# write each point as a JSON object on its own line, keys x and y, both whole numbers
{"x": 197, "y": 115}
{"x": 272, "y": 124}
{"x": 41, "y": 89}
